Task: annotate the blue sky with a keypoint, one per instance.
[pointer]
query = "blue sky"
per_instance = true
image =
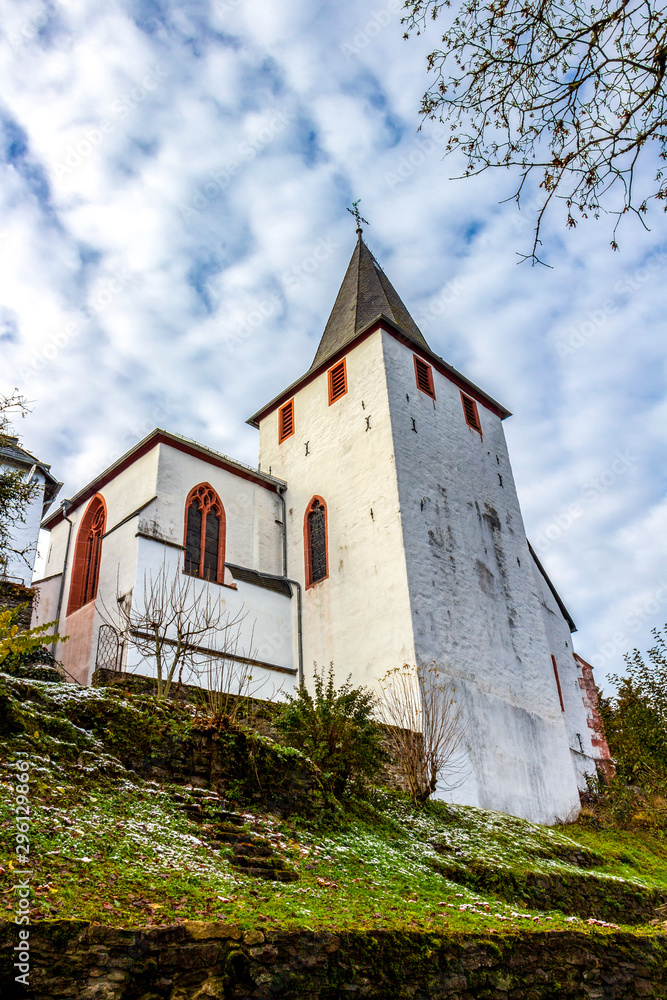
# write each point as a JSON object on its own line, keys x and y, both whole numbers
{"x": 168, "y": 170}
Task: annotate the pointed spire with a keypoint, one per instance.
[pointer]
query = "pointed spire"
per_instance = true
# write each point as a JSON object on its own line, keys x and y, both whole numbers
{"x": 365, "y": 296}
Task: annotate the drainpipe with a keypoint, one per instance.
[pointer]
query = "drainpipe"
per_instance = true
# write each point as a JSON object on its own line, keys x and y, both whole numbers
{"x": 294, "y": 584}
{"x": 65, "y": 506}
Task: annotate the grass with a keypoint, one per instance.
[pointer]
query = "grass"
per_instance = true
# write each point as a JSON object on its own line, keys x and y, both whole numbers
{"x": 109, "y": 847}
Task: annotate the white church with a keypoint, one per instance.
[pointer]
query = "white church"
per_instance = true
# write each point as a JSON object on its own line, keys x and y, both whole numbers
{"x": 382, "y": 527}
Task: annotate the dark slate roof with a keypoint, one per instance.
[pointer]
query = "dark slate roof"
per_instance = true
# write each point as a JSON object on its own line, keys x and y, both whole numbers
{"x": 269, "y": 581}
{"x": 365, "y": 296}
{"x": 563, "y": 610}
{"x": 11, "y": 451}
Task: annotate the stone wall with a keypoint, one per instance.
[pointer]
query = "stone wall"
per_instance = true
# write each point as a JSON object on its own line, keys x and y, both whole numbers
{"x": 204, "y": 961}
{"x": 14, "y": 594}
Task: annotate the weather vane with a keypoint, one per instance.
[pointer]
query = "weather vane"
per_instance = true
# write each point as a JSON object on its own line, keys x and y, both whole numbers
{"x": 358, "y": 216}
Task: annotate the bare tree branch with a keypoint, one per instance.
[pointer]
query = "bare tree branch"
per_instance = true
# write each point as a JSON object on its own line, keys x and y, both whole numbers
{"x": 574, "y": 91}
{"x": 426, "y": 728}
{"x": 171, "y": 624}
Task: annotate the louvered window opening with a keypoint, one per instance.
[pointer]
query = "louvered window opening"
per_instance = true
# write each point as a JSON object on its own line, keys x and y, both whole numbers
{"x": 471, "y": 414}
{"x": 337, "y": 381}
{"x": 203, "y": 534}
{"x": 286, "y": 421}
{"x": 317, "y": 539}
{"x": 424, "y": 375}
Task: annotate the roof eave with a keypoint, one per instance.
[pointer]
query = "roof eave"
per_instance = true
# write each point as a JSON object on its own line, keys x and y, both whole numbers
{"x": 565, "y": 613}
{"x": 381, "y": 322}
{"x": 152, "y": 440}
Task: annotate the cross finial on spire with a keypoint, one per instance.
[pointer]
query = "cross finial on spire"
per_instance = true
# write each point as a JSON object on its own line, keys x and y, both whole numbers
{"x": 358, "y": 216}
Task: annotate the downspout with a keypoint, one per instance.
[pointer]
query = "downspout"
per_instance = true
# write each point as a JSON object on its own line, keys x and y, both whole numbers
{"x": 65, "y": 506}
{"x": 295, "y": 585}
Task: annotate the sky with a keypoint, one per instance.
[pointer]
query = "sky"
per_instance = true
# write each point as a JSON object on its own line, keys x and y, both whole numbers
{"x": 174, "y": 176}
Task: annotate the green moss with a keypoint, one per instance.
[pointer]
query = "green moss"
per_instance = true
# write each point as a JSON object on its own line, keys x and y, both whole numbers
{"x": 110, "y": 842}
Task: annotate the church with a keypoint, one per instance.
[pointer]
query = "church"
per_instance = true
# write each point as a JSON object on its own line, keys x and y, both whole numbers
{"x": 381, "y": 527}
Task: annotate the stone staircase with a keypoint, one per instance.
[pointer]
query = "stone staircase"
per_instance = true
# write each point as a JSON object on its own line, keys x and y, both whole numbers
{"x": 246, "y": 844}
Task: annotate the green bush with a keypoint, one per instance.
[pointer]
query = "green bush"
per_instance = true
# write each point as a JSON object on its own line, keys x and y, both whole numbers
{"x": 336, "y": 730}
{"x": 635, "y": 719}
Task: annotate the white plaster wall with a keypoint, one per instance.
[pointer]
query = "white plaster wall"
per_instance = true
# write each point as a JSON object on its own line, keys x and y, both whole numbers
{"x": 576, "y": 718}
{"x": 25, "y": 533}
{"x": 475, "y": 608}
{"x": 358, "y": 618}
{"x": 264, "y": 630}
{"x": 253, "y": 535}
{"x": 45, "y": 607}
{"x": 124, "y": 494}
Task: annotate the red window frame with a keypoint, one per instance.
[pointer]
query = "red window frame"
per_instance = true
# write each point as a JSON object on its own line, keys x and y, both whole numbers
{"x": 307, "y": 543}
{"x": 471, "y": 412}
{"x": 207, "y": 500}
{"x": 87, "y": 555}
{"x": 337, "y": 381}
{"x": 285, "y": 421}
{"x": 424, "y": 376}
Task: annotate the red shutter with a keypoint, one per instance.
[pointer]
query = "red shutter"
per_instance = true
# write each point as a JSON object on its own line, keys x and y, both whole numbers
{"x": 424, "y": 376}
{"x": 337, "y": 381}
{"x": 471, "y": 414}
{"x": 286, "y": 421}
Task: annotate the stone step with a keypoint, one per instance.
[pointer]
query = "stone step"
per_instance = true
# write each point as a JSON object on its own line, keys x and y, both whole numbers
{"x": 250, "y": 849}
{"x": 270, "y": 874}
{"x": 227, "y": 837}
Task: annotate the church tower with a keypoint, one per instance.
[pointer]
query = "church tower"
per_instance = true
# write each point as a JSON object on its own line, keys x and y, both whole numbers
{"x": 405, "y": 531}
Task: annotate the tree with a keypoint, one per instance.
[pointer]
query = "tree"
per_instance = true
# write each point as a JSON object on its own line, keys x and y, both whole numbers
{"x": 573, "y": 91}
{"x": 16, "y": 491}
{"x": 426, "y": 728}
{"x": 172, "y": 627}
{"x": 635, "y": 719}
{"x": 336, "y": 729}
{"x": 18, "y": 647}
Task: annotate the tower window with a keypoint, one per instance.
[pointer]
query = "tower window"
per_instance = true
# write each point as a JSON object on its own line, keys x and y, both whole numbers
{"x": 286, "y": 421}
{"x": 87, "y": 555}
{"x": 204, "y": 534}
{"x": 424, "y": 376}
{"x": 337, "y": 381}
{"x": 471, "y": 414}
{"x": 315, "y": 542}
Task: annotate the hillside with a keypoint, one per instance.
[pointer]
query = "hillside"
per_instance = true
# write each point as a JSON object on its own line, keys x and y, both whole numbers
{"x": 222, "y": 843}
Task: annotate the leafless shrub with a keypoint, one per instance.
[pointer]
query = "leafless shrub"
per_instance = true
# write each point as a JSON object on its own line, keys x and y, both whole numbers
{"x": 231, "y": 690}
{"x": 174, "y": 626}
{"x": 425, "y": 728}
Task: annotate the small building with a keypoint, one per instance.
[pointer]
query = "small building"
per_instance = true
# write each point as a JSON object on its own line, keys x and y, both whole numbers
{"x": 25, "y": 533}
{"x": 381, "y": 528}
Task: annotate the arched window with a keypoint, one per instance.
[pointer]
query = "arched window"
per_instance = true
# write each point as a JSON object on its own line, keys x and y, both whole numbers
{"x": 315, "y": 541}
{"x": 87, "y": 554}
{"x": 205, "y": 534}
